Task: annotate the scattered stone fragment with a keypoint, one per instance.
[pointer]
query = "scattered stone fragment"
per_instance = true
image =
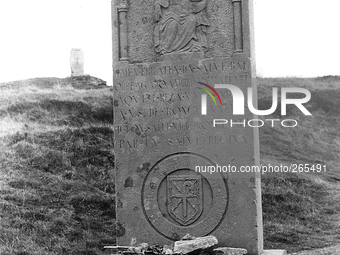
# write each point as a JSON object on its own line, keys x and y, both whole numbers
{"x": 144, "y": 246}
{"x": 133, "y": 242}
{"x": 229, "y": 251}
{"x": 137, "y": 249}
{"x": 188, "y": 237}
{"x": 168, "y": 249}
{"x": 154, "y": 250}
{"x": 125, "y": 250}
{"x": 140, "y": 248}
{"x": 186, "y": 246}
{"x": 117, "y": 247}
{"x": 280, "y": 252}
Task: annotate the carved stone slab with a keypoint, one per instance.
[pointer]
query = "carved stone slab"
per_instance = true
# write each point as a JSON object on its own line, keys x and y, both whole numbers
{"x": 163, "y": 50}
{"x": 77, "y": 62}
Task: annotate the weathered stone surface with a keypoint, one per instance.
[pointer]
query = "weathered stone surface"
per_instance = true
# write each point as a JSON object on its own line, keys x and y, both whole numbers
{"x": 274, "y": 252}
{"x": 168, "y": 249}
{"x": 140, "y": 248}
{"x": 188, "y": 237}
{"x": 77, "y": 62}
{"x": 186, "y": 246}
{"x": 229, "y": 251}
{"x": 162, "y": 50}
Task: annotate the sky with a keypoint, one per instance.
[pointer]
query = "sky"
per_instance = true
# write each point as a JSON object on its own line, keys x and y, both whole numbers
{"x": 293, "y": 38}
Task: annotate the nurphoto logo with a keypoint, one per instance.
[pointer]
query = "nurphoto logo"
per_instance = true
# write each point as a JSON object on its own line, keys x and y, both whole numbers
{"x": 239, "y": 105}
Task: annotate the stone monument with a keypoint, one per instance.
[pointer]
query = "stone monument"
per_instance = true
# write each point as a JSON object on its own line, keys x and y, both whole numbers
{"x": 77, "y": 62}
{"x": 167, "y": 55}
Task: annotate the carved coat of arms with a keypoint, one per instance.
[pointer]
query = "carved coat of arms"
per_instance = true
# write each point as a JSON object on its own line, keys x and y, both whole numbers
{"x": 184, "y": 197}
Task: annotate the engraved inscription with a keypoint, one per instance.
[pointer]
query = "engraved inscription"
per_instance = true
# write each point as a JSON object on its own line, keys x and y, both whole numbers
{"x": 205, "y": 68}
{"x": 171, "y": 126}
{"x": 184, "y": 141}
{"x": 181, "y": 26}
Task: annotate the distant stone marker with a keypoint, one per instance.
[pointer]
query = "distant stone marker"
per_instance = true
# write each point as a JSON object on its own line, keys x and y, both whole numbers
{"x": 77, "y": 62}
{"x": 162, "y": 49}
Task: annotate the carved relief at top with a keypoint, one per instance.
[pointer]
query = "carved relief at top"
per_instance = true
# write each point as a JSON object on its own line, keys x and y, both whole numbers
{"x": 181, "y": 26}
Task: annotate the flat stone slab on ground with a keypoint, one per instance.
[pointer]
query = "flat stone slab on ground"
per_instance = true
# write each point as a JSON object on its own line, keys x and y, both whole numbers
{"x": 229, "y": 251}
{"x": 187, "y": 246}
{"x": 274, "y": 252}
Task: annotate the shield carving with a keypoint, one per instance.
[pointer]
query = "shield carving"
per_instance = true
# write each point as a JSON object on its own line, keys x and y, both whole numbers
{"x": 184, "y": 197}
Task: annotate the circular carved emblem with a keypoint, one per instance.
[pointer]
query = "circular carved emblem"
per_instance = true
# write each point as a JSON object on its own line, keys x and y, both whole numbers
{"x": 177, "y": 200}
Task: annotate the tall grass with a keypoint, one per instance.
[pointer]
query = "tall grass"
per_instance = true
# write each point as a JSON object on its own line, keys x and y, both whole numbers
{"x": 301, "y": 211}
{"x": 57, "y": 185}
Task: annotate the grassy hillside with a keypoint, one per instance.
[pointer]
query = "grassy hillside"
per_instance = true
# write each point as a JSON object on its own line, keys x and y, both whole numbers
{"x": 56, "y": 156}
{"x": 301, "y": 211}
{"x": 56, "y": 162}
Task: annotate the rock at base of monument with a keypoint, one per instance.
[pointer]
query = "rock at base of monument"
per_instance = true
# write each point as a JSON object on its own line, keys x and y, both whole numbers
{"x": 142, "y": 249}
{"x": 229, "y": 251}
{"x": 199, "y": 243}
{"x": 188, "y": 237}
{"x": 274, "y": 252}
{"x": 168, "y": 249}
{"x": 185, "y": 248}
